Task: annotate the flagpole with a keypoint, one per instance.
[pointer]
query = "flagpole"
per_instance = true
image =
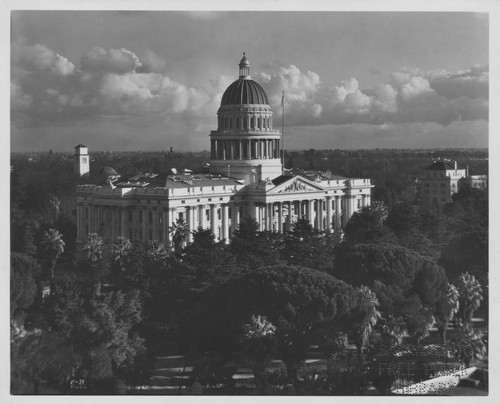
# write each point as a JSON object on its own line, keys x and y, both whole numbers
{"x": 283, "y": 132}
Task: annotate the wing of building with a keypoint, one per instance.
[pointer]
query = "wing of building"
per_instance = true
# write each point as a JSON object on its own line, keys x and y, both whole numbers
{"x": 440, "y": 180}
{"x": 246, "y": 179}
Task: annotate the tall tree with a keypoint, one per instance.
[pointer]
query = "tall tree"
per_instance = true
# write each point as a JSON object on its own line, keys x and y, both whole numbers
{"x": 179, "y": 231}
{"x": 368, "y": 226}
{"x": 93, "y": 260}
{"x": 446, "y": 311}
{"x": 304, "y": 305}
{"x": 470, "y": 297}
{"x": 259, "y": 344}
{"x": 51, "y": 248}
{"x": 255, "y": 249}
{"x": 24, "y": 272}
{"x": 306, "y": 247}
{"x": 408, "y": 286}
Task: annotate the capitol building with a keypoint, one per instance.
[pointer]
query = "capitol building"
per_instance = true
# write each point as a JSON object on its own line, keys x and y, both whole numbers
{"x": 246, "y": 179}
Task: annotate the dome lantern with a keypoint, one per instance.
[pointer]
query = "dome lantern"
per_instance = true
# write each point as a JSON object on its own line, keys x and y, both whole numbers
{"x": 244, "y": 67}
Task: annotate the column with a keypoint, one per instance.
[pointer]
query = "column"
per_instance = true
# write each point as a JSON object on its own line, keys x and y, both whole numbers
{"x": 310, "y": 212}
{"x": 190, "y": 224}
{"x": 249, "y": 149}
{"x": 280, "y": 217}
{"x": 201, "y": 216}
{"x": 289, "y": 217}
{"x": 225, "y": 223}
{"x": 231, "y": 148}
{"x": 338, "y": 211}
{"x": 113, "y": 230}
{"x": 122, "y": 215}
{"x": 328, "y": 213}
{"x": 164, "y": 226}
{"x": 266, "y": 215}
{"x": 170, "y": 219}
{"x": 213, "y": 215}
{"x": 319, "y": 212}
{"x": 233, "y": 220}
{"x": 240, "y": 145}
{"x": 347, "y": 209}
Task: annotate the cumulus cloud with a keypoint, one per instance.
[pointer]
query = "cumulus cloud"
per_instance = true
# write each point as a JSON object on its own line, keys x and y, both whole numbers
{"x": 152, "y": 63}
{"x": 39, "y": 58}
{"x": 46, "y": 86}
{"x": 412, "y": 95}
{"x": 109, "y": 61}
{"x": 108, "y": 81}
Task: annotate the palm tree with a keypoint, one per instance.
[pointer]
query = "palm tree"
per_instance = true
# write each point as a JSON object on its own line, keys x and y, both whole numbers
{"x": 394, "y": 326}
{"x": 121, "y": 249}
{"x": 55, "y": 205}
{"x": 471, "y": 295}
{"x": 179, "y": 231}
{"x": 368, "y": 304}
{"x": 52, "y": 245}
{"x": 156, "y": 251}
{"x": 447, "y": 310}
{"x": 259, "y": 340}
{"x": 94, "y": 247}
{"x": 94, "y": 251}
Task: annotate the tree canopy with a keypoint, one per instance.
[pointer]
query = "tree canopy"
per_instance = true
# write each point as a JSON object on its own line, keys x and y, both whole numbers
{"x": 409, "y": 287}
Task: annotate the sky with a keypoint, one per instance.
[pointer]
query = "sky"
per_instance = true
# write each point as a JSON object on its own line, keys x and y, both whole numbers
{"x": 151, "y": 80}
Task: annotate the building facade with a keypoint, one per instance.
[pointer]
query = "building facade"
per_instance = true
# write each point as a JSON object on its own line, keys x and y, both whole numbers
{"x": 245, "y": 179}
{"x": 439, "y": 181}
{"x": 82, "y": 160}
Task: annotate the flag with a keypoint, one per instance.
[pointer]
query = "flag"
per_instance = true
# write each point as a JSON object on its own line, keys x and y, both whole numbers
{"x": 283, "y": 98}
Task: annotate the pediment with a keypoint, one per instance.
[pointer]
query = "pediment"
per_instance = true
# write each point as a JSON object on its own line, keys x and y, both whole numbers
{"x": 296, "y": 184}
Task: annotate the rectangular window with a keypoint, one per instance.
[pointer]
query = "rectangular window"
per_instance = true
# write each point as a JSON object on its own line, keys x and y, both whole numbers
{"x": 130, "y": 215}
{"x": 140, "y": 216}
{"x": 150, "y": 217}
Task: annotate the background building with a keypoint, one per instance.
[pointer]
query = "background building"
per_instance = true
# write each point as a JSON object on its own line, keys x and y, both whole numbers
{"x": 246, "y": 179}
{"x": 440, "y": 180}
{"x": 82, "y": 162}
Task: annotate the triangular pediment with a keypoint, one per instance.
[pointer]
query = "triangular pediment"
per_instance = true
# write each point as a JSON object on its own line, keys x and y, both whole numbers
{"x": 296, "y": 184}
